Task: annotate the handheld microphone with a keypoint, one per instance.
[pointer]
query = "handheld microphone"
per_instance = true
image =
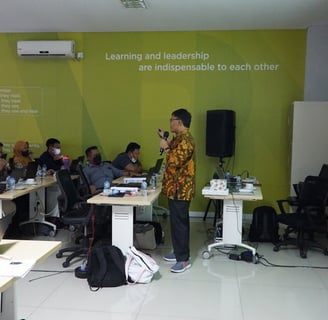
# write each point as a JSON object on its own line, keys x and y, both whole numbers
{"x": 165, "y": 136}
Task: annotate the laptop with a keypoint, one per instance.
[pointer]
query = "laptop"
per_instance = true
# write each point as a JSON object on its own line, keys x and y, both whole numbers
{"x": 138, "y": 184}
{"x": 158, "y": 165}
{"x": 156, "y": 168}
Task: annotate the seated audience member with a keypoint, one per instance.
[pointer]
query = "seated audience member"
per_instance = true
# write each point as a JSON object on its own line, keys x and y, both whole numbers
{"x": 129, "y": 160}
{"x": 30, "y": 151}
{"x": 3, "y": 166}
{"x": 8, "y": 207}
{"x": 52, "y": 157}
{"x": 21, "y": 155}
{"x": 97, "y": 171}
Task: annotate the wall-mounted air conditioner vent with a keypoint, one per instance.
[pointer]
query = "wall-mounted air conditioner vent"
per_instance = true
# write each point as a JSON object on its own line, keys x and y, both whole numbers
{"x": 50, "y": 48}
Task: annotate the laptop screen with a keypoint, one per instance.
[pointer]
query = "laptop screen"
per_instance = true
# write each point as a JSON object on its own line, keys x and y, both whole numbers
{"x": 158, "y": 165}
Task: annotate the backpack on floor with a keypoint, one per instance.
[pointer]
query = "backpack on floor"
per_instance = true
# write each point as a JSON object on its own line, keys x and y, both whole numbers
{"x": 139, "y": 267}
{"x": 264, "y": 227}
{"x": 105, "y": 267}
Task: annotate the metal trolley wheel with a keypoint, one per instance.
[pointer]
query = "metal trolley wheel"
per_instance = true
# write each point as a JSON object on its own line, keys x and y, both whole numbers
{"x": 206, "y": 254}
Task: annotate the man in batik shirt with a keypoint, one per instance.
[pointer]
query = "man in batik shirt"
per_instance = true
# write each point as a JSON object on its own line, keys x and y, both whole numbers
{"x": 179, "y": 185}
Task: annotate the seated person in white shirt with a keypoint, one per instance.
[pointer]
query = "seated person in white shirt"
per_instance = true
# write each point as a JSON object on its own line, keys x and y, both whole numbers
{"x": 97, "y": 171}
{"x": 129, "y": 160}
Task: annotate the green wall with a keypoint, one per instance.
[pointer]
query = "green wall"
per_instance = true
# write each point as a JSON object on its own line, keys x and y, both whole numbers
{"x": 108, "y": 100}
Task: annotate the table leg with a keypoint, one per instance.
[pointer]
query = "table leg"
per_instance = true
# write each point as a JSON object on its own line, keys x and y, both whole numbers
{"x": 8, "y": 310}
{"x": 122, "y": 227}
{"x": 232, "y": 227}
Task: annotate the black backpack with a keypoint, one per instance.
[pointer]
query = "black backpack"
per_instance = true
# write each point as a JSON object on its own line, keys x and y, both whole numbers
{"x": 264, "y": 227}
{"x": 105, "y": 267}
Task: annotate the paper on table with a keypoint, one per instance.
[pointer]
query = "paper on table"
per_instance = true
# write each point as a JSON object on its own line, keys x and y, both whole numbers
{"x": 15, "y": 268}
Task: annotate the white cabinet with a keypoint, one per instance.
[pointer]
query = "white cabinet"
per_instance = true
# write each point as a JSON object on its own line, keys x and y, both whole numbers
{"x": 309, "y": 140}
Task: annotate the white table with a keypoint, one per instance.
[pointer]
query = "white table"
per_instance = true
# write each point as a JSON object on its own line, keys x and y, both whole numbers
{"x": 21, "y": 249}
{"x": 122, "y": 214}
{"x": 233, "y": 219}
{"x": 36, "y": 193}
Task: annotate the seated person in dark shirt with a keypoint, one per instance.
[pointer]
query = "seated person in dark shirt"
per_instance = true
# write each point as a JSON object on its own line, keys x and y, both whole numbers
{"x": 129, "y": 160}
{"x": 97, "y": 171}
{"x": 52, "y": 158}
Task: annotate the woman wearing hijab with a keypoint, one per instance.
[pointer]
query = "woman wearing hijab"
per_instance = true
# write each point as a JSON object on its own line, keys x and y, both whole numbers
{"x": 21, "y": 155}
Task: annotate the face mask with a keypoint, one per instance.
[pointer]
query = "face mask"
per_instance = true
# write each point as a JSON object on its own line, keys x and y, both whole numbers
{"x": 133, "y": 160}
{"x": 25, "y": 153}
{"x": 56, "y": 151}
{"x": 97, "y": 159}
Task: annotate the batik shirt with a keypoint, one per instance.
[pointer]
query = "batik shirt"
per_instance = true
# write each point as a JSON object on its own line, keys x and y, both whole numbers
{"x": 179, "y": 175}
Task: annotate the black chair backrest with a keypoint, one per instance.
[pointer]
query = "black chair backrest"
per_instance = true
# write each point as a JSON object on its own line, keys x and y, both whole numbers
{"x": 324, "y": 171}
{"x": 314, "y": 191}
{"x": 69, "y": 193}
{"x": 83, "y": 184}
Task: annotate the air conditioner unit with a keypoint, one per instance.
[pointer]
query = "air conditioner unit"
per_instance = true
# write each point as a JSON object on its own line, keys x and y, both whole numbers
{"x": 50, "y": 48}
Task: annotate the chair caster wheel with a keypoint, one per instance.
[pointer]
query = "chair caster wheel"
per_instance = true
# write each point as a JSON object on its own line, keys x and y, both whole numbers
{"x": 81, "y": 274}
{"x": 275, "y": 249}
{"x": 65, "y": 264}
{"x": 206, "y": 254}
{"x": 325, "y": 252}
{"x": 59, "y": 255}
{"x": 52, "y": 233}
{"x": 303, "y": 255}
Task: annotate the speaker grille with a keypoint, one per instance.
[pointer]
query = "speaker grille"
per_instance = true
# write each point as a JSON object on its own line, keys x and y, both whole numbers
{"x": 220, "y": 133}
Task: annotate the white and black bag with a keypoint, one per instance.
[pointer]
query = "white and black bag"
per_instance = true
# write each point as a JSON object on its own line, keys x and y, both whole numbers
{"x": 139, "y": 267}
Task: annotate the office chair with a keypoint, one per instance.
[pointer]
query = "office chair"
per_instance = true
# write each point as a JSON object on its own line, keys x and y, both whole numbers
{"x": 103, "y": 214}
{"x": 308, "y": 218}
{"x": 324, "y": 171}
{"x": 74, "y": 211}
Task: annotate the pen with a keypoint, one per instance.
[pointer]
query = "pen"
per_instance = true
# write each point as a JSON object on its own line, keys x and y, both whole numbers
{"x": 15, "y": 262}
{"x": 2, "y": 256}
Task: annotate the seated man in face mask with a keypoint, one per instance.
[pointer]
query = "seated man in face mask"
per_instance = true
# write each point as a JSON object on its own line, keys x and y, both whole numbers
{"x": 129, "y": 160}
{"x": 52, "y": 157}
{"x": 97, "y": 171}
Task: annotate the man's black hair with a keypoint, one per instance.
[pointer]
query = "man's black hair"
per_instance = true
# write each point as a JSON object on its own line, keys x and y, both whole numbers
{"x": 51, "y": 141}
{"x": 184, "y": 116}
{"x": 89, "y": 149}
{"x": 132, "y": 146}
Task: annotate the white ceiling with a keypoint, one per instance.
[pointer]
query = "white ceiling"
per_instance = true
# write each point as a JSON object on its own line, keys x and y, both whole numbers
{"x": 161, "y": 15}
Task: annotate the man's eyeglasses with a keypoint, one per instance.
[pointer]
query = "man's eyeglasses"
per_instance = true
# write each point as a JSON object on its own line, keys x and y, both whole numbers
{"x": 172, "y": 119}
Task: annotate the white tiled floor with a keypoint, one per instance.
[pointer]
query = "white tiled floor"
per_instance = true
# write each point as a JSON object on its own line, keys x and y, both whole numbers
{"x": 217, "y": 288}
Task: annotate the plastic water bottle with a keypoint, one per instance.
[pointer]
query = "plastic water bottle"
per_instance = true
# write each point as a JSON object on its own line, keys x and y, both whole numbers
{"x": 238, "y": 182}
{"x": 106, "y": 190}
{"x": 39, "y": 172}
{"x": 11, "y": 183}
{"x": 43, "y": 171}
{"x": 153, "y": 181}
{"x": 227, "y": 176}
{"x": 143, "y": 188}
{"x": 66, "y": 162}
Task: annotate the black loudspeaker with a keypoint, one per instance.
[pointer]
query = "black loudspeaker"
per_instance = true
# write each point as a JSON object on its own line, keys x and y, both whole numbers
{"x": 220, "y": 133}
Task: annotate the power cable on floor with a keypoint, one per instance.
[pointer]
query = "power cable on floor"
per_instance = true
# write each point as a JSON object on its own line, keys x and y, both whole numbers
{"x": 53, "y": 273}
{"x": 267, "y": 263}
